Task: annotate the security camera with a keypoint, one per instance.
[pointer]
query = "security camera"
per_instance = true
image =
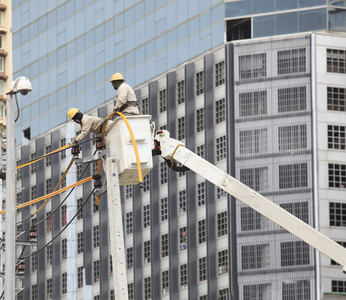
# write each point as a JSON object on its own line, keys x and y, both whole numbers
{"x": 24, "y": 86}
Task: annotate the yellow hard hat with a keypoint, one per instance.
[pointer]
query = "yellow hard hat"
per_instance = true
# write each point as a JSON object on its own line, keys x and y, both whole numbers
{"x": 117, "y": 76}
{"x": 72, "y": 112}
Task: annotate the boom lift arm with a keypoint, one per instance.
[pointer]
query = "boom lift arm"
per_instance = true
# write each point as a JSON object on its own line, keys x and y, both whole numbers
{"x": 173, "y": 149}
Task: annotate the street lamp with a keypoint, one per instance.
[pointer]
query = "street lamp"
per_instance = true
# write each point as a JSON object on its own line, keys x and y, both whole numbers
{"x": 23, "y": 86}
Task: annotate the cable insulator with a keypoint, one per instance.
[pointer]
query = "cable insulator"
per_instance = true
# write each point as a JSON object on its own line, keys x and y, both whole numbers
{"x": 97, "y": 181}
{"x": 75, "y": 150}
{"x": 21, "y": 268}
{"x": 32, "y": 234}
{"x": 100, "y": 145}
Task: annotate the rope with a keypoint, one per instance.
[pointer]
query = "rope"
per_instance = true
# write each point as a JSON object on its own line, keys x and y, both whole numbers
{"x": 172, "y": 162}
{"x": 50, "y": 194}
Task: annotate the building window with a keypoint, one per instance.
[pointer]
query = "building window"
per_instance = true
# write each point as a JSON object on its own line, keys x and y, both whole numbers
{"x": 183, "y": 276}
{"x": 253, "y": 141}
{"x": 79, "y": 208}
{"x": 33, "y": 165}
{"x": 64, "y": 283}
{"x": 222, "y": 259}
{"x": 34, "y": 292}
{"x": 48, "y": 159}
{"x": 221, "y": 148}
{"x": 34, "y": 262}
{"x": 62, "y": 144}
{"x": 147, "y": 251}
{"x": 223, "y": 294}
{"x": 200, "y": 151}
{"x": 181, "y": 92}
{"x": 79, "y": 277}
{"x": 164, "y": 245}
{"x": 199, "y": 83}
{"x": 257, "y": 291}
{"x": 63, "y": 249}
{"x": 219, "y": 73}
{"x": 96, "y": 269}
{"x": 163, "y": 172}
{"x": 128, "y": 192}
{"x": 146, "y": 183}
{"x": 298, "y": 209}
{"x": 253, "y": 104}
{"x": 18, "y": 199}
{"x": 292, "y": 137}
{"x": 293, "y": 176}
{"x": 254, "y": 256}
{"x": 296, "y": 290}
{"x": 181, "y": 128}
{"x": 204, "y": 297}
{"x": 145, "y": 106}
{"x": 162, "y": 101}
{"x": 336, "y": 137}
{"x": 202, "y": 231}
{"x": 130, "y": 289}
{"x": 249, "y": 219}
{"x": 252, "y": 66}
{"x": 336, "y": 61}
{"x": 222, "y": 224}
{"x": 336, "y": 98}
{"x": 96, "y": 236}
{"x": 220, "y": 193}
{"x": 147, "y": 288}
{"x": 164, "y": 209}
{"x": 220, "y": 111}
{"x": 80, "y": 242}
{"x": 63, "y": 215}
{"x": 337, "y": 214}
{"x": 146, "y": 216}
{"x": 200, "y": 119}
{"x": 182, "y": 237}
{"x": 294, "y": 254}
{"x": 33, "y": 192}
{"x": 48, "y": 185}
{"x": 337, "y": 175}
{"x": 129, "y": 223}
{"x": 256, "y": 178}
{"x": 129, "y": 258}
{"x": 238, "y": 29}
{"x": 48, "y": 222}
{"x": 291, "y": 61}
{"x": 338, "y": 286}
{"x": 19, "y": 171}
{"x": 182, "y": 201}
{"x": 49, "y": 255}
{"x": 201, "y": 194}
{"x": 63, "y": 182}
{"x": 49, "y": 288}
{"x": 165, "y": 282}
{"x": 292, "y": 99}
{"x": 110, "y": 265}
{"x": 202, "y": 269}
{"x": 79, "y": 171}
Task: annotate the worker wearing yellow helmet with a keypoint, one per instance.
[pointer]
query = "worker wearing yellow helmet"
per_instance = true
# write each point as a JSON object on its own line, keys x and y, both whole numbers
{"x": 88, "y": 124}
{"x": 125, "y": 100}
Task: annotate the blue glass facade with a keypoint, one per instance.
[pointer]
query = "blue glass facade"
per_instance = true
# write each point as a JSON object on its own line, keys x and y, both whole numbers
{"x": 70, "y": 49}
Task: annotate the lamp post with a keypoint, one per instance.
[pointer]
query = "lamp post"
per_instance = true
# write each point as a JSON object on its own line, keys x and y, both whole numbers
{"x": 22, "y": 85}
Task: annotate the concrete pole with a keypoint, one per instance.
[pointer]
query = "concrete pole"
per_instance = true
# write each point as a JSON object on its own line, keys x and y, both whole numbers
{"x": 10, "y": 203}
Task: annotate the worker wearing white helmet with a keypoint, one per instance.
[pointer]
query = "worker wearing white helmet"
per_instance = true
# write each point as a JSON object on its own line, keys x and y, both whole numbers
{"x": 88, "y": 124}
{"x": 125, "y": 100}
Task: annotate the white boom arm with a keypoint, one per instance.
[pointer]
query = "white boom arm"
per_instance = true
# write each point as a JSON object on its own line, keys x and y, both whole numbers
{"x": 171, "y": 148}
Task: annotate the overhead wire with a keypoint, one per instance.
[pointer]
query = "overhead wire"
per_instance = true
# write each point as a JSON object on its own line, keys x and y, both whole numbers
{"x": 63, "y": 229}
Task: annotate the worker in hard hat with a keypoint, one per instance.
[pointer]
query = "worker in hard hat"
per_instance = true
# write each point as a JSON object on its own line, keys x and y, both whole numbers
{"x": 88, "y": 124}
{"x": 125, "y": 100}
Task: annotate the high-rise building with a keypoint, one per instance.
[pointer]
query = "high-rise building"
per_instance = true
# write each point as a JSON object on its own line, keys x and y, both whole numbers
{"x": 257, "y": 88}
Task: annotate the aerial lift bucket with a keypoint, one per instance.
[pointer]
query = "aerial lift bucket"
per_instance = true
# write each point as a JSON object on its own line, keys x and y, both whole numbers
{"x": 121, "y": 147}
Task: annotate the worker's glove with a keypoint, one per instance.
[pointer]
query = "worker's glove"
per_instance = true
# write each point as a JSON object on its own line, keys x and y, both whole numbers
{"x": 115, "y": 111}
{"x": 73, "y": 141}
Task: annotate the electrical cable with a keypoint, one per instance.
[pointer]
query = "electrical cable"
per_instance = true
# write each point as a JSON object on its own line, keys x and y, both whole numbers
{"x": 62, "y": 230}
{"x": 68, "y": 146}
{"x": 17, "y": 112}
